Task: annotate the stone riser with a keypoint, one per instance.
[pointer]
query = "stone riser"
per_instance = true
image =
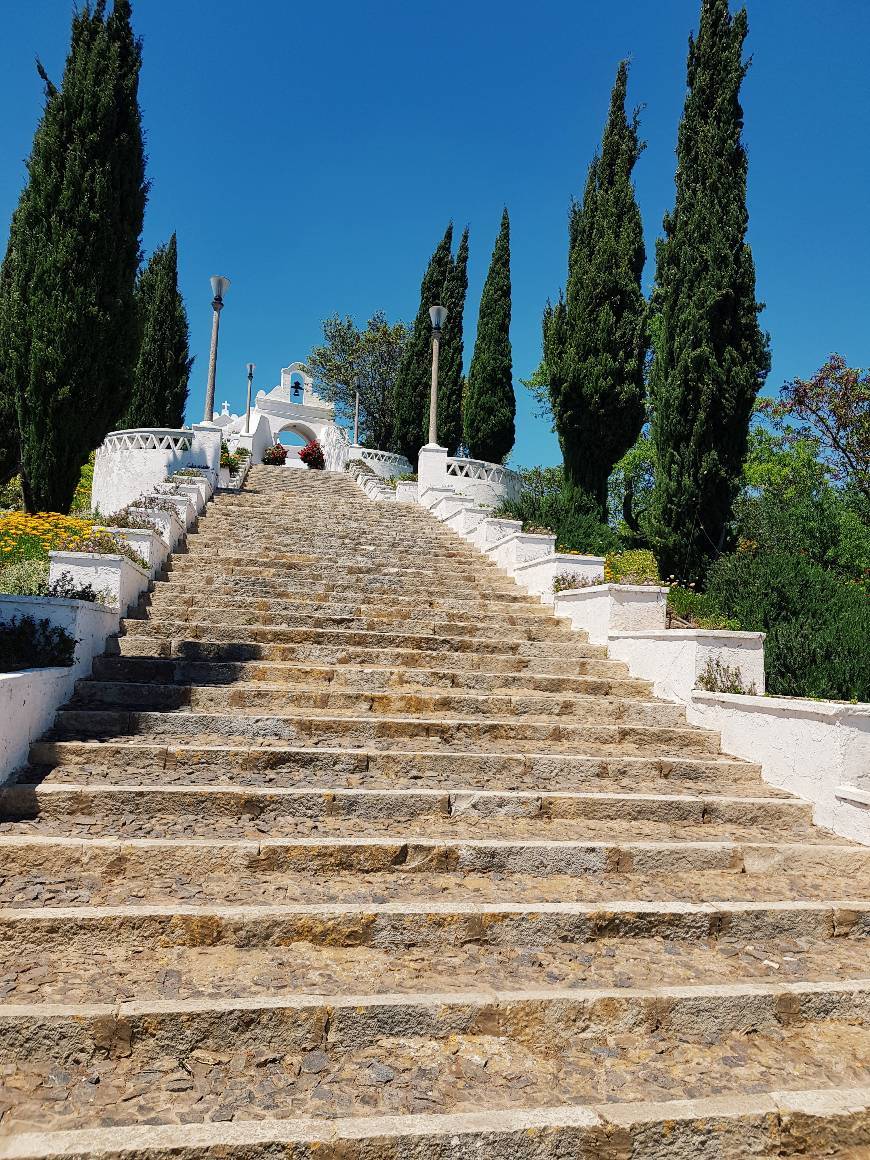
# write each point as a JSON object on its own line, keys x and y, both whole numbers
{"x": 387, "y": 591}
{"x": 155, "y": 859}
{"x": 548, "y": 1022}
{"x": 172, "y": 672}
{"x": 168, "y": 602}
{"x": 277, "y": 698}
{"x": 380, "y": 732}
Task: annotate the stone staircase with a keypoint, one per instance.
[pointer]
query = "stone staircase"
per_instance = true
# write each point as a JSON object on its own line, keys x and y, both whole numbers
{"x": 351, "y": 851}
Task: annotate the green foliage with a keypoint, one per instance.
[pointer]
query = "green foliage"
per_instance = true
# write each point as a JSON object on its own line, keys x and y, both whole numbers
{"x": 67, "y": 314}
{"x": 450, "y": 379}
{"x": 545, "y": 502}
{"x": 697, "y": 609}
{"x": 636, "y": 566}
{"x": 817, "y": 627}
{"x": 596, "y": 341}
{"x": 11, "y": 497}
{"x": 710, "y": 354}
{"x": 490, "y": 406}
{"x": 630, "y": 491}
{"x": 162, "y": 372}
{"x": 102, "y": 543}
{"x": 26, "y": 643}
{"x": 414, "y": 378}
{"x": 81, "y": 501}
{"x": 27, "y": 577}
{"x": 367, "y": 360}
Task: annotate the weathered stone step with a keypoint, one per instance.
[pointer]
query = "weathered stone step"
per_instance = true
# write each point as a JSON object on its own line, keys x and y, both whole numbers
{"x": 387, "y": 591}
{"x": 169, "y": 672}
{"x": 781, "y": 1123}
{"x": 315, "y": 567}
{"x": 167, "y": 596}
{"x": 64, "y": 872}
{"x": 259, "y": 698}
{"x": 101, "y": 762}
{"x": 496, "y": 735}
{"x": 210, "y": 811}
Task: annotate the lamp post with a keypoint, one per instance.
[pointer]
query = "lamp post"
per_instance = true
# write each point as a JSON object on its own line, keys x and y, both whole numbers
{"x": 219, "y": 287}
{"x": 356, "y": 415}
{"x": 438, "y": 314}
{"x": 251, "y": 369}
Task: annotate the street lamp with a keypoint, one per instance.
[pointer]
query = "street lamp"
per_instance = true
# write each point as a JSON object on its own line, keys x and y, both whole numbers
{"x": 438, "y": 314}
{"x": 219, "y": 287}
{"x": 251, "y": 369}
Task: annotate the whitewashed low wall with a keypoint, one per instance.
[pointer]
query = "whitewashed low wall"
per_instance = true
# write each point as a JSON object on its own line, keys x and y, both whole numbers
{"x": 519, "y": 548}
{"x": 604, "y": 608}
{"x": 129, "y": 464}
{"x": 117, "y": 575}
{"x": 150, "y": 546}
{"x": 30, "y": 699}
{"x": 406, "y": 492}
{"x": 673, "y": 659}
{"x": 466, "y": 520}
{"x": 183, "y": 503}
{"x": 169, "y": 527}
{"x": 819, "y": 750}
{"x": 489, "y": 531}
{"x": 537, "y": 576}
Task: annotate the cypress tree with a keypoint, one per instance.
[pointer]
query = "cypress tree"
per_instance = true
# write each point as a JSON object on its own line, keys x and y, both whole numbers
{"x": 163, "y": 367}
{"x": 711, "y": 356}
{"x": 67, "y": 315}
{"x": 595, "y": 351}
{"x": 450, "y": 359}
{"x": 490, "y": 406}
{"x": 411, "y": 416}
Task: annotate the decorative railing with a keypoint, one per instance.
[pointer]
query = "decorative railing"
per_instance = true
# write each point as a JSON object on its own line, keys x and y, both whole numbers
{"x": 479, "y": 469}
{"x": 148, "y": 439}
{"x": 391, "y": 458}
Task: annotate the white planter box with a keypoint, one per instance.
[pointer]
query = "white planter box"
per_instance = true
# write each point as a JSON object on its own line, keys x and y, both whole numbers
{"x": 674, "y": 658}
{"x": 146, "y": 542}
{"x": 406, "y": 492}
{"x": 183, "y": 503}
{"x": 537, "y": 576}
{"x": 29, "y": 699}
{"x": 224, "y": 477}
{"x": 605, "y": 608}
{"x": 169, "y": 526}
{"x": 519, "y": 548}
{"x": 428, "y": 497}
{"x": 490, "y": 530}
{"x": 448, "y": 505}
{"x": 195, "y": 490}
{"x": 466, "y": 520}
{"x": 819, "y": 750}
{"x": 124, "y": 580}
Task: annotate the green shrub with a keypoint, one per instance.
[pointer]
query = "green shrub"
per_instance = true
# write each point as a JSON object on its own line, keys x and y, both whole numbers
{"x": 698, "y": 609}
{"x": 637, "y": 566}
{"x": 818, "y": 626}
{"x": 571, "y": 516}
{"x": 11, "y": 497}
{"x": 25, "y": 577}
{"x": 717, "y": 677}
{"x": 26, "y": 643}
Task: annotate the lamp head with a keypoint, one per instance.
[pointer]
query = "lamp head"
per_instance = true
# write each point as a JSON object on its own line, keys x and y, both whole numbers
{"x": 251, "y": 368}
{"x": 438, "y": 314}
{"x": 219, "y": 287}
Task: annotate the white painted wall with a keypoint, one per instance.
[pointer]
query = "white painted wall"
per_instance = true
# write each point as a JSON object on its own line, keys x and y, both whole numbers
{"x": 150, "y": 546}
{"x": 605, "y": 608}
{"x": 518, "y": 548}
{"x": 168, "y": 524}
{"x": 115, "y": 574}
{"x": 537, "y": 576}
{"x": 29, "y": 699}
{"x": 819, "y": 750}
{"x": 123, "y": 473}
{"x": 673, "y": 658}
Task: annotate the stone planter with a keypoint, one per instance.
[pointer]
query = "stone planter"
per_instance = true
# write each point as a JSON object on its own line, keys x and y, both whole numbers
{"x": 123, "y": 580}
{"x": 519, "y": 548}
{"x": 406, "y": 492}
{"x": 150, "y": 546}
{"x": 465, "y": 520}
{"x": 673, "y": 659}
{"x": 490, "y": 530}
{"x": 448, "y": 504}
{"x": 183, "y": 503}
{"x": 194, "y": 489}
{"x": 537, "y": 576}
{"x": 169, "y": 526}
{"x": 605, "y": 608}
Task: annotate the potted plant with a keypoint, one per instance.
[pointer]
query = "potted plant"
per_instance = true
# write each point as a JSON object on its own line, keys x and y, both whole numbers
{"x": 275, "y": 456}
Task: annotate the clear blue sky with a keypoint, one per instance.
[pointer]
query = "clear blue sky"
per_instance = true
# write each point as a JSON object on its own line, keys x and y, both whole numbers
{"x": 314, "y": 154}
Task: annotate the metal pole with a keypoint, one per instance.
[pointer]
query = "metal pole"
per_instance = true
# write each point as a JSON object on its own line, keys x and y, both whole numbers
{"x": 248, "y": 404}
{"x": 217, "y": 306}
{"x": 433, "y": 396}
{"x": 356, "y": 421}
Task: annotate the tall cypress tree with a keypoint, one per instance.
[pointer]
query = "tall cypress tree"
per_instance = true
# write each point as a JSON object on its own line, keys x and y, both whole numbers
{"x": 67, "y": 316}
{"x": 711, "y": 356}
{"x": 413, "y": 382}
{"x": 490, "y": 406}
{"x": 163, "y": 367}
{"x": 595, "y": 351}
{"x": 450, "y": 360}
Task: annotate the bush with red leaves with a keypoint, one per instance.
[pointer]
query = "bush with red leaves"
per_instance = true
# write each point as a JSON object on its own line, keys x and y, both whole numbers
{"x": 312, "y": 455}
{"x": 275, "y": 456}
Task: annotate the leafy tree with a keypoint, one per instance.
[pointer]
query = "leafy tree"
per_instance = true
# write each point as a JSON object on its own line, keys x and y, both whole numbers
{"x": 68, "y": 330}
{"x": 630, "y": 490}
{"x": 162, "y": 370}
{"x": 490, "y": 406}
{"x": 710, "y": 354}
{"x": 833, "y": 409}
{"x": 595, "y": 342}
{"x": 450, "y": 380}
{"x": 413, "y": 382}
{"x": 545, "y": 501}
{"x": 368, "y": 360}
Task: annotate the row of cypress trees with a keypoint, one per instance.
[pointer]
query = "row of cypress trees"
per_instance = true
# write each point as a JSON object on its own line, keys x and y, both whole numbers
{"x": 81, "y": 341}
{"x": 709, "y": 356}
{"x": 481, "y": 411}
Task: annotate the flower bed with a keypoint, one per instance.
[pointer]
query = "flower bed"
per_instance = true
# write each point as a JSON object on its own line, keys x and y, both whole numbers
{"x": 32, "y": 537}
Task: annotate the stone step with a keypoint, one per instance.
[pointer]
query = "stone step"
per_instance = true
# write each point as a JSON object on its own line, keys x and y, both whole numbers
{"x": 143, "y": 763}
{"x": 81, "y": 810}
{"x": 413, "y": 569}
{"x": 783, "y": 1123}
{"x": 381, "y": 732}
{"x": 385, "y": 590}
{"x": 450, "y": 638}
{"x": 259, "y": 697}
{"x": 170, "y": 672}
